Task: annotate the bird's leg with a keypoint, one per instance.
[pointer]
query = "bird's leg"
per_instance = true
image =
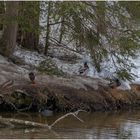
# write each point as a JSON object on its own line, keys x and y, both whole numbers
{"x": 33, "y": 82}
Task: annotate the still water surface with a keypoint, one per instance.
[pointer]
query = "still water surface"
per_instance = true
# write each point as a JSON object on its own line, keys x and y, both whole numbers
{"x": 122, "y": 124}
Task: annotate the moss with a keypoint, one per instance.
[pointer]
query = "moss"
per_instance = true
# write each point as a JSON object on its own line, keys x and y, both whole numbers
{"x": 50, "y": 68}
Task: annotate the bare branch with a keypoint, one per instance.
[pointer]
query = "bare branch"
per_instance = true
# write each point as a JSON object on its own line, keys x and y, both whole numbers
{"x": 63, "y": 45}
{"x": 66, "y": 115}
{"x": 56, "y": 23}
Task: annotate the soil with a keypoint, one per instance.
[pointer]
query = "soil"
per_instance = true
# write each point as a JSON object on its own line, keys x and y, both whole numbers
{"x": 66, "y": 94}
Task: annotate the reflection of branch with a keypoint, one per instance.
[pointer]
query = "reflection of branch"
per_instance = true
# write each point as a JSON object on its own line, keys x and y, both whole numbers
{"x": 68, "y": 114}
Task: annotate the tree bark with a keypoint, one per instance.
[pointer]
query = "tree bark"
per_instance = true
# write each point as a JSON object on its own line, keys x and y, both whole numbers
{"x": 48, "y": 30}
{"x": 28, "y": 33}
{"x": 100, "y": 12}
{"x": 8, "y": 40}
{"x": 2, "y": 11}
{"x": 61, "y": 30}
{"x": 30, "y": 41}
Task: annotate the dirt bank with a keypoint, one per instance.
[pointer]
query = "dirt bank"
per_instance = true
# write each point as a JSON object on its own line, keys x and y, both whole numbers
{"x": 66, "y": 94}
{"x": 59, "y": 93}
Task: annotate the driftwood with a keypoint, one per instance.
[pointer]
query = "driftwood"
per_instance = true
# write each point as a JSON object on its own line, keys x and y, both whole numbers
{"x": 10, "y": 122}
{"x": 66, "y": 115}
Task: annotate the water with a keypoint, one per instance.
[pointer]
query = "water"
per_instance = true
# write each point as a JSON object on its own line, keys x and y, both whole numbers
{"x": 122, "y": 124}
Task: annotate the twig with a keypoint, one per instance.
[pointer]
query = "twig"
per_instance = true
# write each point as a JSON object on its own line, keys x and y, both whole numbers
{"x": 63, "y": 45}
{"x": 68, "y": 114}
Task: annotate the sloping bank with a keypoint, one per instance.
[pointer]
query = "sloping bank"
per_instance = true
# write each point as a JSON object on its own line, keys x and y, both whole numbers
{"x": 65, "y": 94}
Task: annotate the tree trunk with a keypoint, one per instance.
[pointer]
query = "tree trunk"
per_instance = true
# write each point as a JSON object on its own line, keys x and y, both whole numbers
{"x": 2, "y": 11}
{"x": 61, "y": 31}
{"x": 48, "y": 29}
{"x": 30, "y": 41}
{"x": 28, "y": 33}
{"x": 8, "y": 40}
{"x": 101, "y": 30}
{"x": 100, "y": 12}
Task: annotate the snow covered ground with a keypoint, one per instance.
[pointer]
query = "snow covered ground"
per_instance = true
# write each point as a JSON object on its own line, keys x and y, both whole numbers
{"x": 11, "y": 71}
{"x": 34, "y": 58}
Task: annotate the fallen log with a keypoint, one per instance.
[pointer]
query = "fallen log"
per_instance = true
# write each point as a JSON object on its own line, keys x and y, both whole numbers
{"x": 11, "y": 122}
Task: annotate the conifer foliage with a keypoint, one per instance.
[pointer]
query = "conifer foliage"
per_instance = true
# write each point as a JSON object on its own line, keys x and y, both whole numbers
{"x": 106, "y": 30}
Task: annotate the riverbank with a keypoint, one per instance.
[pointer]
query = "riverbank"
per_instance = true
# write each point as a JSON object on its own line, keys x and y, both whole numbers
{"x": 66, "y": 94}
{"x": 59, "y": 93}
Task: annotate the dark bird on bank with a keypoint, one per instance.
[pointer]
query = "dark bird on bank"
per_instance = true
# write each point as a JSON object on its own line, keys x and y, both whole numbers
{"x": 115, "y": 83}
{"x": 82, "y": 70}
{"x": 32, "y": 77}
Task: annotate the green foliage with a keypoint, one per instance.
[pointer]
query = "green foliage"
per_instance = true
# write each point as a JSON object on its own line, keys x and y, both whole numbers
{"x": 48, "y": 67}
{"x": 125, "y": 75}
{"x": 87, "y": 23}
{"x": 127, "y": 46}
{"x": 28, "y": 18}
{"x": 133, "y": 8}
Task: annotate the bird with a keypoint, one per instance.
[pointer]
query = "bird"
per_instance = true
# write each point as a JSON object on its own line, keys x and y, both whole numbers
{"x": 83, "y": 70}
{"x": 32, "y": 77}
{"x": 115, "y": 83}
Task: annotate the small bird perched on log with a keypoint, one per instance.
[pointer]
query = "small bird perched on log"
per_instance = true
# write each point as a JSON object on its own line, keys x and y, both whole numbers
{"x": 32, "y": 77}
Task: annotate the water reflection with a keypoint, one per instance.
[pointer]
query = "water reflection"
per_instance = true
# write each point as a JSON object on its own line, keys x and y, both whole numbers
{"x": 123, "y": 124}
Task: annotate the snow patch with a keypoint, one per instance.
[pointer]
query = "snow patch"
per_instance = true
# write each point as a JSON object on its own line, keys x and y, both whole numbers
{"x": 108, "y": 69}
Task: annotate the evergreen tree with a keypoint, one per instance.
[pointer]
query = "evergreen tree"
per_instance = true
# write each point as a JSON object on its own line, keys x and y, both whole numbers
{"x": 94, "y": 23}
{"x": 108, "y": 30}
{"x": 29, "y": 24}
{"x": 8, "y": 40}
{"x": 48, "y": 27}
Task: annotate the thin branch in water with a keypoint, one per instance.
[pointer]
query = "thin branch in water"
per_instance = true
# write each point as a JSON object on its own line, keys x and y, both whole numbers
{"x": 68, "y": 114}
